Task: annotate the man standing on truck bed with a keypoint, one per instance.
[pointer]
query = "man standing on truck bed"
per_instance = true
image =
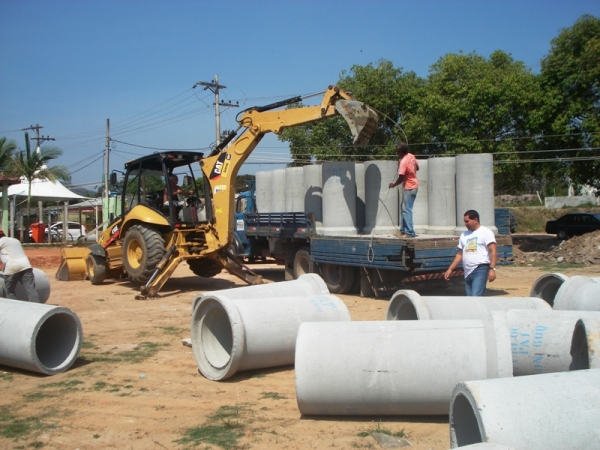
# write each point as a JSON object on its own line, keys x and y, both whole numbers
{"x": 478, "y": 253}
{"x": 407, "y": 176}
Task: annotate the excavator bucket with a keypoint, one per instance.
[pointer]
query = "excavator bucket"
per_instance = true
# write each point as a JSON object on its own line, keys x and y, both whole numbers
{"x": 361, "y": 119}
{"x": 72, "y": 263}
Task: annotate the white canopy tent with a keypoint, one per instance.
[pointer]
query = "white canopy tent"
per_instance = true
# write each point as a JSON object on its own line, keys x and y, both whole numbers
{"x": 41, "y": 190}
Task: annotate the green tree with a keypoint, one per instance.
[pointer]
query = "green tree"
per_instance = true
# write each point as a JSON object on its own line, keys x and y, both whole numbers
{"x": 571, "y": 78}
{"x": 7, "y": 149}
{"x": 32, "y": 166}
{"x": 478, "y": 105}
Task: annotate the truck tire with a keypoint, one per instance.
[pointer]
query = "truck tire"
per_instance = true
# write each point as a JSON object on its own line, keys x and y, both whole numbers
{"x": 204, "y": 267}
{"x": 303, "y": 263}
{"x": 143, "y": 249}
{"x": 96, "y": 268}
{"x": 334, "y": 276}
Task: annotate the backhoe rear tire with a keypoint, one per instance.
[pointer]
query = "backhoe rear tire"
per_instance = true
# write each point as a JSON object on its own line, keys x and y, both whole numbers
{"x": 204, "y": 267}
{"x": 96, "y": 268}
{"x": 143, "y": 249}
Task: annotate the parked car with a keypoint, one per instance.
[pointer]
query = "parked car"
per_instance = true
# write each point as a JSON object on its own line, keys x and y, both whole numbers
{"x": 573, "y": 224}
{"x": 54, "y": 233}
{"x": 512, "y": 222}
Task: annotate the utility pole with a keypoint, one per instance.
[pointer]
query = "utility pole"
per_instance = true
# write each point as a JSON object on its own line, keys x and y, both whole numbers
{"x": 38, "y": 139}
{"x": 105, "y": 206}
{"x": 214, "y": 87}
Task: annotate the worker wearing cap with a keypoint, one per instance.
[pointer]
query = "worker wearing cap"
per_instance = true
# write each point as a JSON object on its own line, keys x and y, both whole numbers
{"x": 17, "y": 268}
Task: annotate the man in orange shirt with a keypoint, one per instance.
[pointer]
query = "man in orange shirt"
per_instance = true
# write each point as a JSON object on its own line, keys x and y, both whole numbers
{"x": 407, "y": 176}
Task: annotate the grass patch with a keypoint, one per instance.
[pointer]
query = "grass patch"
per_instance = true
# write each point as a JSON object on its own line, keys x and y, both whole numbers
{"x": 98, "y": 386}
{"x": 175, "y": 330}
{"x": 222, "y": 429}
{"x": 382, "y": 430}
{"x": 36, "y": 396}
{"x": 6, "y": 376}
{"x": 13, "y": 427}
{"x": 62, "y": 385}
{"x": 143, "y": 351}
{"x": 272, "y": 396}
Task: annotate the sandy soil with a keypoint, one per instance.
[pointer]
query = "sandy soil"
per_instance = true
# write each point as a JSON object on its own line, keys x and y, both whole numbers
{"x": 136, "y": 386}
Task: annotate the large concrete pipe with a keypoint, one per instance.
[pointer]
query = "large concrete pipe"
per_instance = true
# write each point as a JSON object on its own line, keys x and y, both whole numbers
{"x": 230, "y": 335}
{"x": 585, "y": 346}
{"x": 294, "y": 189}
{"x": 264, "y": 187}
{"x": 578, "y": 293}
{"x": 421, "y": 208}
{"x": 381, "y": 202}
{"x": 546, "y": 286}
{"x": 441, "y": 196}
{"x": 339, "y": 198}
{"x": 541, "y": 341}
{"x": 409, "y": 305}
{"x": 548, "y": 411}
{"x": 475, "y": 189}
{"x": 393, "y": 367}
{"x": 278, "y": 190}
{"x": 313, "y": 194}
{"x": 42, "y": 287}
{"x": 359, "y": 171}
{"x": 307, "y": 285}
{"x": 36, "y": 337}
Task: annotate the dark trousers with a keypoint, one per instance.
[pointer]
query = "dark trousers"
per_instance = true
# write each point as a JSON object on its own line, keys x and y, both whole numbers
{"x": 27, "y": 279}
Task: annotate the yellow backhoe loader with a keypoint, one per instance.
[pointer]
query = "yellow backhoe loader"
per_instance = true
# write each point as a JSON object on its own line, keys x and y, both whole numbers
{"x": 163, "y": 224}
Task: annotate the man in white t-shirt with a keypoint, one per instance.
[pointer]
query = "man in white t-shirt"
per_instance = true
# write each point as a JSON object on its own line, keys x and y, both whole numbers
{"x": 478, "y": 253}
{"x": 17, "y": 268}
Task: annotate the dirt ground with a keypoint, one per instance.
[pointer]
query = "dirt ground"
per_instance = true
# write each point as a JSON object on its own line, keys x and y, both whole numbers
{"x": 135, "y": 386}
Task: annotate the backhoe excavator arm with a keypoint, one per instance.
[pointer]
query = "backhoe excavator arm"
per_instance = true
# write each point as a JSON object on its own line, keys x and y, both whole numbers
{"x": 221, "y": 168}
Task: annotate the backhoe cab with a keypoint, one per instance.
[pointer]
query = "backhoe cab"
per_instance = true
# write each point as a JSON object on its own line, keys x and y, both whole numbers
{"x": 162, "y": 226}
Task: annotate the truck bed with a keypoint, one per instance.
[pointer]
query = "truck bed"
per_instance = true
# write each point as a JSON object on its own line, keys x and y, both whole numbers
{"x": 419, "y": 255}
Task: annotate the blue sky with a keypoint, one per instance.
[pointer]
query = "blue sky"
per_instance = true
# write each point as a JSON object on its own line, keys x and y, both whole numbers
{"x": 68, "y": 65}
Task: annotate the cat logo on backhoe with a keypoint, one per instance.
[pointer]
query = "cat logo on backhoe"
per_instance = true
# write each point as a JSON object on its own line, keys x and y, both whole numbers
{"x": 221, "y": 167}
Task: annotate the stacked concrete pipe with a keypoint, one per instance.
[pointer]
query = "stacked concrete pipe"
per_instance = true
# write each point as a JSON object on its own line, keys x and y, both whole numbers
{"x": 540, "y": 337}
{"x": 306, "y": 285}
{"x": 548, "y": 411}
{"x": 394, "y": 367}
{"x": 564, "y": 293}
{"x": 37, "y": 337}
{"x": 409, "y": 305}
{"x": 42, "y": 287}
{"x": 585, "y": 346}
{"x": 256, "y": 326}
{"x": 541, "y": 341}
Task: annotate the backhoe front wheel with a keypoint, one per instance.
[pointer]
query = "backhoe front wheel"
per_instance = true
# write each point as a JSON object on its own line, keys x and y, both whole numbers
{"x": 143, "y": 249}
{"x": 96, "y": 268}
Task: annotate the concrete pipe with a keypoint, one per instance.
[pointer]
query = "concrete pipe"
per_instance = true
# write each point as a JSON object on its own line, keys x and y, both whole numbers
{"x": 546, "y": 286}
{"x": 392, "y": 367}
{"x": 306, "y": 285}
{"x": 548, "y": 411}
{"x": 264, "y": 188}
{"x": 278, "y": 189}
{"x": 578, "y": 294}
{"x": 42, "y": 286}
{"x": 39, "y": 338}
{"x": 541, "y": 341}
{"x": 409, "y": 305}
{"x": 230, "y": 335}
{"x": 585, "y": 346}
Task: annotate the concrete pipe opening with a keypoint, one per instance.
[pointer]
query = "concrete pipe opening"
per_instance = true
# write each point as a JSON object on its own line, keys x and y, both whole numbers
{"x": 546, "y": 286}
{"x": 217, "y": 337}
{"x": 57, "y": 343}
{"x": 407, "y": 305}
{"x": 579, "y": 348}
{"x": 464, "y": 426}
